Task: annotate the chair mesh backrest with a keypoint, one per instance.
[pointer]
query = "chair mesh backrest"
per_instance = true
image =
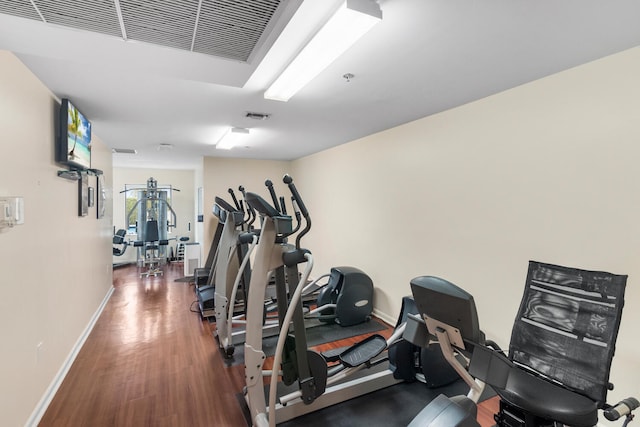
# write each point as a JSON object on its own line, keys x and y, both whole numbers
{"x": 567, "y": 326}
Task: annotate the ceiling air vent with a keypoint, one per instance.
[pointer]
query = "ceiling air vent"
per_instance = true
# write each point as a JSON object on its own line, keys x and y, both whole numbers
{"x": 124, "y": 151}
{"x": 257, "y": 116}
{"x": 230, "y": 29}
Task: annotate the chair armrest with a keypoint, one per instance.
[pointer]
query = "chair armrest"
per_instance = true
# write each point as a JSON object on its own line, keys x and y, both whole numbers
{"x": 490, "y": 366}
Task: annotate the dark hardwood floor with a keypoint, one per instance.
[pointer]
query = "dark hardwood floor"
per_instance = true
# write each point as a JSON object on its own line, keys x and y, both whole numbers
{"x": 151, "y": 361}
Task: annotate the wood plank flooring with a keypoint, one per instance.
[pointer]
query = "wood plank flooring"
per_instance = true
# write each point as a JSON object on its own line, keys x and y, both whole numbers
{"x": 150, "y": 361}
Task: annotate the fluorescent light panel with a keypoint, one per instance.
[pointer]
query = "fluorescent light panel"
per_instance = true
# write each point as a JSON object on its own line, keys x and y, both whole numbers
{"x": 232, "y": 137}
{"x": 350, "y": 22}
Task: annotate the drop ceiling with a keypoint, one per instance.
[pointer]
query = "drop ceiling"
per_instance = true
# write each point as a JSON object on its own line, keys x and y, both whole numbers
{"x": 179, "y": 72}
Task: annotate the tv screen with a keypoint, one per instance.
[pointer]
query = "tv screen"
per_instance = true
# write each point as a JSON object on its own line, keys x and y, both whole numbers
{"x": 73, "y": 149}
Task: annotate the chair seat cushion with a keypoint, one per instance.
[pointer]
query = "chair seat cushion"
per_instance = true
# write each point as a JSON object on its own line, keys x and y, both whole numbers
{"x": 547, "y": 400}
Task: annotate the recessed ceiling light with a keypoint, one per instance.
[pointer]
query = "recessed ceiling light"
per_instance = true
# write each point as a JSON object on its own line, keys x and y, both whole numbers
{"x": 232, "y": 137}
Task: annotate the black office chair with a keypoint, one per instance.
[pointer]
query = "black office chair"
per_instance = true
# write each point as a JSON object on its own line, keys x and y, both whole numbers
{"x": 119, "y": 239}
{"x": 562, "y": 345}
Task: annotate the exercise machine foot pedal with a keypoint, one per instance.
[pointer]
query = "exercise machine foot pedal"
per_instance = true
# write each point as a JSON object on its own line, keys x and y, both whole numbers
{"x": 363, "y": 351}
{"x": 333, "y": 355}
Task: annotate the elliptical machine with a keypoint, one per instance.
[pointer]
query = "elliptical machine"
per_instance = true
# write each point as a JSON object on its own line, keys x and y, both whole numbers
{"x": 230, "y": 253}
{"x": 346, "y": 298}
{"x": 227, "y": 294}
{"x": 231, "y": 220}
{"x": 318, "y": 385}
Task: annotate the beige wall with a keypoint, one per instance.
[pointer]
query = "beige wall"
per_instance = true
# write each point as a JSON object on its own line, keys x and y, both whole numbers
{"x": 183, "y": 202}
{"x": 547, "y": 171}
{"x": 199, "y": 185}
{"x": 56, "y": 267}
{"x": 221, "y": 174}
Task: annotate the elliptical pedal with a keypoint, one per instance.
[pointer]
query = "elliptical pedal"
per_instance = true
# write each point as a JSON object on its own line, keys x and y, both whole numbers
{"x": 363, "y": 351}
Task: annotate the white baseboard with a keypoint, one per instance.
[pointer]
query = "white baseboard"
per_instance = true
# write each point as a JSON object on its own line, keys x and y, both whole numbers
{"x": 384, "y": 317}
{"x": 48, "y": 395}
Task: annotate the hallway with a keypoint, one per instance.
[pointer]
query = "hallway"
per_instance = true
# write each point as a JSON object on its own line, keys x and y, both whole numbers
{"x": 149, "y": 361}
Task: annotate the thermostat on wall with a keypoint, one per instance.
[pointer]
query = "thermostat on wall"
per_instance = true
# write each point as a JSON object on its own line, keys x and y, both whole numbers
{"x": 11, "y": 211}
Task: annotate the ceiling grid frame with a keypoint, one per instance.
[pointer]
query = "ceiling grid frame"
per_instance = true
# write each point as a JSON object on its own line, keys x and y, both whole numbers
{"x": 229, "y": 29}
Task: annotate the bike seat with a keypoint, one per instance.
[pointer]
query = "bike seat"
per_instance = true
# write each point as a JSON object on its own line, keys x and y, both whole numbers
{"x": 538, "y": 396}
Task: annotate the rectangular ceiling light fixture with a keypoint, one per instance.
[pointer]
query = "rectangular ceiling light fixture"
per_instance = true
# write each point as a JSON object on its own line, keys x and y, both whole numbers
{"x": 232, "y": 137}
{"x": 350, "y": 22}
{"x": 124, "y": 151}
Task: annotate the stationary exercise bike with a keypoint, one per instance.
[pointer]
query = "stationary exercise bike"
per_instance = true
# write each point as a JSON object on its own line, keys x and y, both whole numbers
{"x": 557, "y": 370}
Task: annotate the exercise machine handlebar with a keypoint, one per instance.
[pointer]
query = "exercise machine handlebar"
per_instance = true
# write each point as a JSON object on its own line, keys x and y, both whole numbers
{"x": 250, "y": 211}
{"x": 303, "y": 209}
{"x": 173, "y": 213}
{"x": 281, "y": 339}
{"x": 235, "y": 200}
{"x": 272, "y": 192}
{"x": 296, "y": 210}
{"x": 283, "y": 206}
{"x": 294, "y": 191}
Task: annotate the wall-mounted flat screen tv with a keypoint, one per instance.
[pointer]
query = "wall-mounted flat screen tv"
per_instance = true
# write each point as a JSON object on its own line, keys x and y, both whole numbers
{"x": 74, "y": 137}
